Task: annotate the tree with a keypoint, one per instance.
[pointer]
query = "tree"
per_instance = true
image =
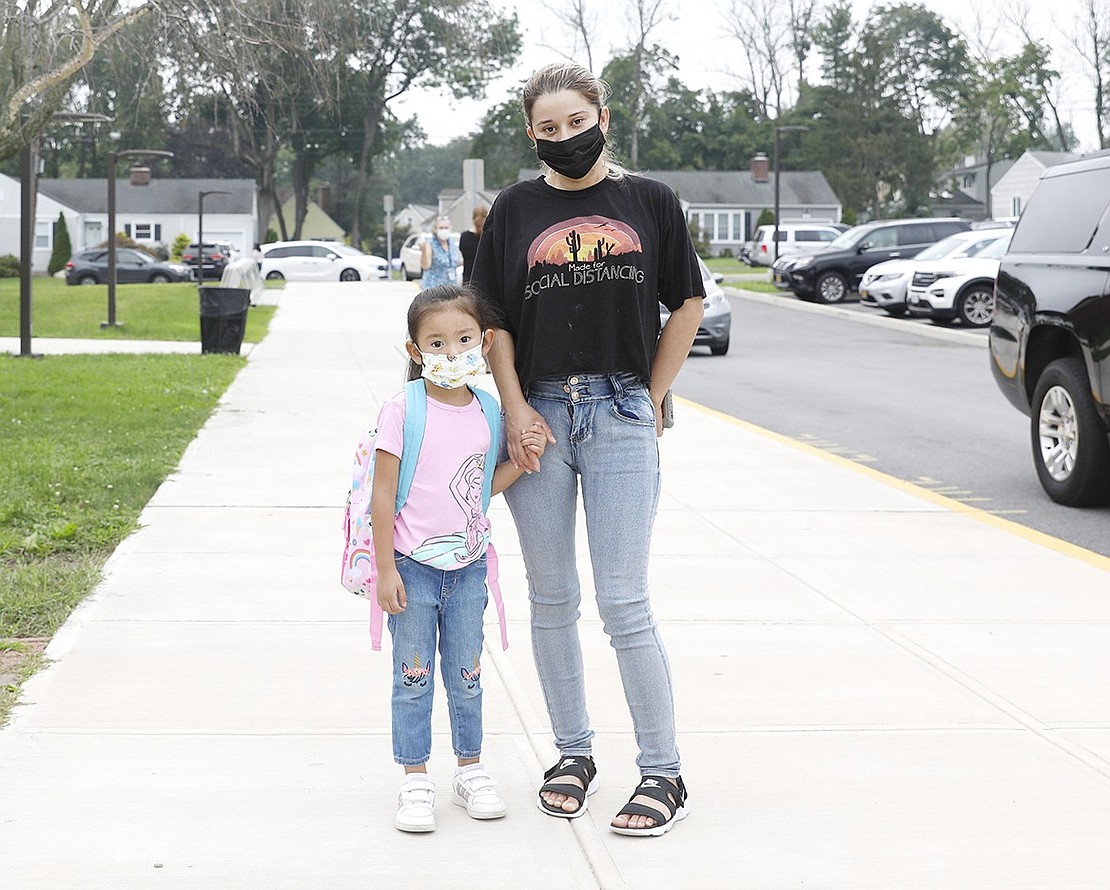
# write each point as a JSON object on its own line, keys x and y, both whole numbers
{"x": 502, "y": 143}
{"x": 63, "y": 248}
{"x": 1091, "y": 39}
{"x": 43, "y": 46}
{"x": 770, "y": 44}
{"x": 580, "y": 18}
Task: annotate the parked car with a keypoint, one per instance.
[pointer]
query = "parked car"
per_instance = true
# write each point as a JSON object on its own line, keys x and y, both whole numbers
{"x": 716, "y": 324}
{"x": 320, "y": 261}
{"x": 1050, "y": 337}
{"x": 885, "y": 285}
{"x": 832, "y": 274}
{"x": 411, "y": 269}
{"x": 959, "y": 287}
{"x": 216, "y": 258}
{"x": 793, "y": 239}
{"x": 91, "y": 267}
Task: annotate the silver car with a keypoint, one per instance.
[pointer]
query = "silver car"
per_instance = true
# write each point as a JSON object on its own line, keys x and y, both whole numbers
{"x": 716, "y": 324}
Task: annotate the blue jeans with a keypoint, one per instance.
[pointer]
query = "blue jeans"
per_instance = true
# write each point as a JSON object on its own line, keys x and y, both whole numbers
{"x": 447, "y": 604}
{"x": 605, "y": 430}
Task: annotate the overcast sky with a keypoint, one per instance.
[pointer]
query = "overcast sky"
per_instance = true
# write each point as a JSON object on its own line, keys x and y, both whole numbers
{"x": 707, "y": 54}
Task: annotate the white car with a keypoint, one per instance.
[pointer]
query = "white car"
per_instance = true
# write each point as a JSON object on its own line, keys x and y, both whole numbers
{"x": 885, "y": 285}
{"x": 410, "y": 256}
{"x": 320, "y": 261}
{"x": 793, "y": 239}
{"x": 962, "y": 288}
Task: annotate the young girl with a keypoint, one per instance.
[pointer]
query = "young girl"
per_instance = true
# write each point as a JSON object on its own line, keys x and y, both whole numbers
{"x": 431, "y": 558}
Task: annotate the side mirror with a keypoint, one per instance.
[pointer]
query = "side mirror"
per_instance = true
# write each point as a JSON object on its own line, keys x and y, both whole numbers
{"x": 719, "y": 277}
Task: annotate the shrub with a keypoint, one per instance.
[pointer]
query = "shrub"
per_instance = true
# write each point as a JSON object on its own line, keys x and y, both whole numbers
{"x": 766, "y": 218}
{"x": 179, "y": 244}
{"x": 63, "y": 248}
{"x": 9, "y": 266}
{"x": 700, "y": 238}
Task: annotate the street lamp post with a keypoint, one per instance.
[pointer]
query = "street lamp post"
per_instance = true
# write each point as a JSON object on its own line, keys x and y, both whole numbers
{"x": 27, "y": 189}
{"x": 779, "y": 130}
{"x": 113, "y": 157}
{"x": 200, "y": 233}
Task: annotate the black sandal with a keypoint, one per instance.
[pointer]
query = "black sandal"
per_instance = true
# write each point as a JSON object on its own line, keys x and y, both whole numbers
{"x": 573, "y": 766}
{"x": 671, "y": 794}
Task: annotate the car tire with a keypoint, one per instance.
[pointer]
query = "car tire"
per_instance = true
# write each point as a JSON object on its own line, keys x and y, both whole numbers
{"x": 274, "y": 276}
{"x": 88, "y": 279}
{"x": 159, "y": 278}
{"x": 832, "y": 287}
{"x": 350, "y": 275}
{"x": 975, "y": 306}
{"x": 1071, "y": 449}
{"x": 720, "y": 347}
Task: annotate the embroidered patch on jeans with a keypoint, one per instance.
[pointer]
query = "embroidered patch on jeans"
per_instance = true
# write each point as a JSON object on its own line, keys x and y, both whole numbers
{"x": 472, "y": 675}
{"x": 417, "y": 675}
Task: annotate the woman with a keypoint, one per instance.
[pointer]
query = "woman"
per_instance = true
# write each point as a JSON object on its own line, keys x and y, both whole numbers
{"x": 577, "y": 261}
{"x": 439, "y": 258}
{"x": 468, "y": 240}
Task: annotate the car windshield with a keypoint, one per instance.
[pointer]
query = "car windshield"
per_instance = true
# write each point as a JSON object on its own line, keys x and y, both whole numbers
{"x": 850, "y": 238}
{"x": 996, "y": 249}
{"x": 945, "y": 247}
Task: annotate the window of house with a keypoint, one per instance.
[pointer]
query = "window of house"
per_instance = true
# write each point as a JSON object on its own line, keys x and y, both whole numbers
{"x": 722, "y": 226}
{"x": 738, "y": 227}
{"x": 1015, "y": 206}
{"x": 43, "y": 231}
{"x": 143, "y": 232}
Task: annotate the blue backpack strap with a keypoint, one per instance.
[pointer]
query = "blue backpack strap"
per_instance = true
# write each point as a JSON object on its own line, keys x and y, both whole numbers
{"x": 492, "y": 411}
{"x": 416, "y": 417}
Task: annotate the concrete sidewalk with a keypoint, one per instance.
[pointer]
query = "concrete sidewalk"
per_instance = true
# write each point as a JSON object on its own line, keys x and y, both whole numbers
{"x": 876, "y": 687}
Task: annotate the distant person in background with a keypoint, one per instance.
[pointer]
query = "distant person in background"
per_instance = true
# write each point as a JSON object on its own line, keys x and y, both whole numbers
{"x": 468, "y": 241}
{"x": 256, "y": 253}
{"x": 439, "y": 258}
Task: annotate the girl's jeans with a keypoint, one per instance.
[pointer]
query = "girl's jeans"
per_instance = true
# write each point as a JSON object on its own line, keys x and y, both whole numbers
{"x": 447, "y": 604}
{"x": 604, "y": 427}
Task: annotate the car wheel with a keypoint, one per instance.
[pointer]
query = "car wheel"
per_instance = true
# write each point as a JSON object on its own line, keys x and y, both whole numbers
{"x": 349, "y": 275}
{"x": 1070, "y": 446}
{"x": 720, "y": 347}
{"x": 159, "y": 278}
{"x": 87, "y": 279}
{"x": 976, "y": 306}
{"x": 274, "y": 276}
{"x": 832, "y": 288}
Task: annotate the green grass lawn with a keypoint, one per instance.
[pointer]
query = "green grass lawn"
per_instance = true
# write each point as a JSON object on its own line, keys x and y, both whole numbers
{"x": 762, "y": 286}
{"x": 147, "y": 311}
{"x": 84, "y": 442}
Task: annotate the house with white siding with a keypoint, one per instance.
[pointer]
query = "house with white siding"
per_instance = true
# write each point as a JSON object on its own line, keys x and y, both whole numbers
{"x": 152, "y": 215}
{"x": 1010, "y": 194}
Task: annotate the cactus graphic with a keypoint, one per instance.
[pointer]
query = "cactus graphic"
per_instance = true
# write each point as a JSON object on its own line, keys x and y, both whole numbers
{"x": 603, "y": 248}
{"x": 574, "y": 242}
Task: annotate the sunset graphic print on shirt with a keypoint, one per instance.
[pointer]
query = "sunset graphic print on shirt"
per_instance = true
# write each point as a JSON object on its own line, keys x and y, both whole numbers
{"x": 582, "y": 251}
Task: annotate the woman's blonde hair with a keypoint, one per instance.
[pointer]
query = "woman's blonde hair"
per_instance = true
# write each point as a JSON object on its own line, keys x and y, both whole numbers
{"x": 478, "y": 217}
{"x": 559, "y": 76}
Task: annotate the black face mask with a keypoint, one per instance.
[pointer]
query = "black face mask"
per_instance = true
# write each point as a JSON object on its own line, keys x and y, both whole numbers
{"x": 573, "y": 157}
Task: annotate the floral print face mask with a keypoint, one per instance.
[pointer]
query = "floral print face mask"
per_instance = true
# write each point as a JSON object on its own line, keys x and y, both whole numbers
{"x": 451, "y": 372}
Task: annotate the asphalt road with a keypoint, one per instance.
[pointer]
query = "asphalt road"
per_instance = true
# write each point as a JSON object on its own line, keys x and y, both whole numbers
{"x": 882, "y": 392}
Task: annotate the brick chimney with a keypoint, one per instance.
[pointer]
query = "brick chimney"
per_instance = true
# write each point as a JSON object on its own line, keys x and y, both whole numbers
{"x": 323, "y": 197}
{"x": 761, "y": 166}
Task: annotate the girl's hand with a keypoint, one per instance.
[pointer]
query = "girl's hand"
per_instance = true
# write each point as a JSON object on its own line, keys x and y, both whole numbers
{"x": 533, "y": 440}
{"x": 391, "y": 592}
{"x": 518, "y": 421}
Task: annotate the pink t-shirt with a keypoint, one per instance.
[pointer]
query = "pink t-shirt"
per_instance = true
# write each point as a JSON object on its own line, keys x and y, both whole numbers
{"x": 442, "y": 523}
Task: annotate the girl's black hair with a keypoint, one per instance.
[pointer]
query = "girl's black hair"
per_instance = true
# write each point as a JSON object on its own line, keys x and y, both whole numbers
{"x": 465, "y": 299}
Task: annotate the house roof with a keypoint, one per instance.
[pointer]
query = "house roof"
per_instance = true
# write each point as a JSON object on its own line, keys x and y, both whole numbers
{"x": 160, "y": 196}
{"x": 1052, "y": 158}
{"x": 736, "y": 188}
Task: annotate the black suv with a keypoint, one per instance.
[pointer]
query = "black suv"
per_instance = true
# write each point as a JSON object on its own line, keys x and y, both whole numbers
{"x": 1050, "y": 338}
{"x": 216, "y": 258}
{"x": 831, "y": 274}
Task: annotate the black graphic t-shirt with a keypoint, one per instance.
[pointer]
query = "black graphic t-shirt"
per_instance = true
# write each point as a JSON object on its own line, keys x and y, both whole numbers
{"x": 578, "y": 275}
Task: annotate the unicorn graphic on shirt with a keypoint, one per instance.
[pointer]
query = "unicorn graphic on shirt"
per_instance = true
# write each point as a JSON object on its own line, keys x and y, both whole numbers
{"x": 460, "y": 548}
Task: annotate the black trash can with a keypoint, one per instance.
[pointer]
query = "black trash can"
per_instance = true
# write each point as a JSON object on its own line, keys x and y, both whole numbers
{"x": 223, "y": 318}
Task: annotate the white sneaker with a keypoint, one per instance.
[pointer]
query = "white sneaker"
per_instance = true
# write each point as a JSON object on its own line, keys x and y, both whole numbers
{"x": 416, "y": 803}
{"x": 474, "y": 789}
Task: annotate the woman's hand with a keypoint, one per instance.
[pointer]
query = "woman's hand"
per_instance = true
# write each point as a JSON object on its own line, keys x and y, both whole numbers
{"x": 391, "y": 592}
{"x": 521, "y": 424}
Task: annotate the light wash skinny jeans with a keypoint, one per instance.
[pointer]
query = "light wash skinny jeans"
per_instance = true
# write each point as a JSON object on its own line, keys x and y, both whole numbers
{"x": 604, "y": 426}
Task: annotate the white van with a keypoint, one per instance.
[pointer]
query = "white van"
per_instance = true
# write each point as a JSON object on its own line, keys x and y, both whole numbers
{"x": 793, "y": 238}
